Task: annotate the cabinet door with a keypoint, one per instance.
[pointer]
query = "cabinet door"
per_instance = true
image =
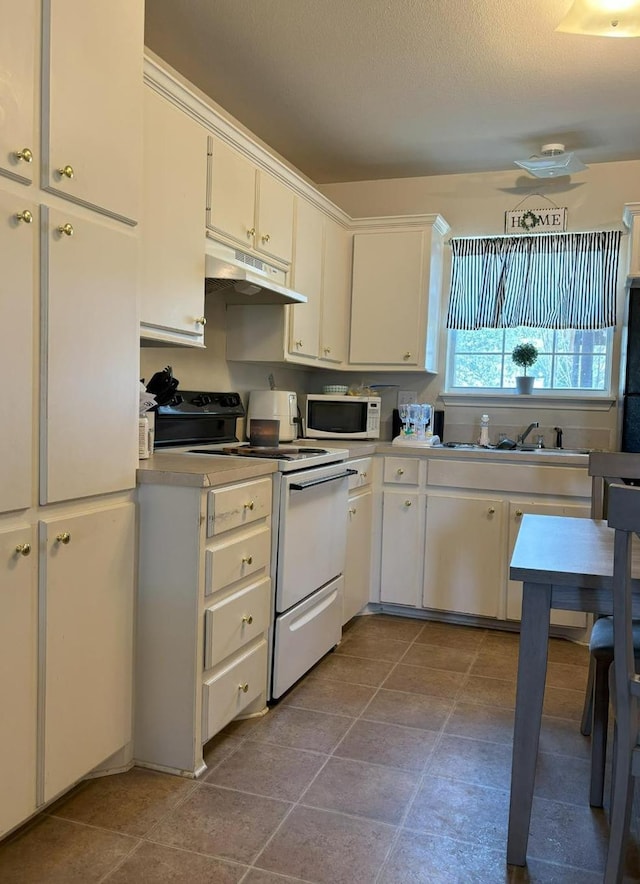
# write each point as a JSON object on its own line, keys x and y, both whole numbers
{"x": 232, "y": 194}
{"x": 464, "y": 555}
{"x": 17, "y": 291}
{"x": 18, "y": 36}
{"x": 388, "y": 298}
{"x": 86, "y": 593}
{"x": 307, "y": 279}
{"x": 90, "y": 358}
{"x": 357, "y": 572}
{"x": 18, "y": 676}
{"x": 174, "y": 189}
{"x": 274, "y": 218}
{"x": 514, "y": 587}
{"x": 336, "y": 292}
{"x": 402, "y": 547}
{"x": 92, "y": 103}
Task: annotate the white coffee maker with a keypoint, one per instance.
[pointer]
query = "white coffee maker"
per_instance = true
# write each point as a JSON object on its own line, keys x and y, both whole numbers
{"x": 280, "y": 405}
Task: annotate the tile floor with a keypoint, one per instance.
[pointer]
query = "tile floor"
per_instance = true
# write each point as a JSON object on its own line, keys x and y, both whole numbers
{"x": 388, "y": 764}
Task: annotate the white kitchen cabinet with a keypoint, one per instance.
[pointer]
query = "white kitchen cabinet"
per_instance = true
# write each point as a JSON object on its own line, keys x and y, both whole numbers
{"x": 464, "y": 555}
{"x": 172, "y": 234}
{"x": 18, "y": 675}
{"x": 402, "y": 547}
{"x": 357, "y": 574}
{"x": 304, "y": 325}
{"x": 631, "y": 218}
{"x": 18, "y": 51}
{"x": 18, "y": 240}
{"x": 92, "y": 104}
{"x": 248, "y": 206}
{"x": 514, "y": 587}
{"x": 396, "y": 293}
{"x": 336, "y": 293}
{"x": 89, "y": 357}
{"x": 203, "y": 614}
{"x": 86, "y": 596}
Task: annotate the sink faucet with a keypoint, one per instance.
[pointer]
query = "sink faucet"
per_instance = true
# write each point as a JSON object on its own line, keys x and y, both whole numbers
{"x": 524, "y": 435}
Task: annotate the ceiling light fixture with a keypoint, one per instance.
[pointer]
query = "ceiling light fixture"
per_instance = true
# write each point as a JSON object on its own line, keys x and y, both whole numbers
{"x": 552, "y": 162}
{"x": 602, "y": 18}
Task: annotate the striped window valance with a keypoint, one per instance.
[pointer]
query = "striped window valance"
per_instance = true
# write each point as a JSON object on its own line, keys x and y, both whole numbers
{"x": 551, "y": 281}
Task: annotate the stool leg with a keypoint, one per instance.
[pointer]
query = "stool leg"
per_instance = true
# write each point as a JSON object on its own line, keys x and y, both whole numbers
{"x": 587, "y": 711}
{"x": 599, "y": 732}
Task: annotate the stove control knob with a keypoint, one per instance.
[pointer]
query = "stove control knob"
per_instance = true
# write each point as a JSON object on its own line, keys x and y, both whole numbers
{"x": 201, "y": 400}
{"x": 230, "y": 401}
{"x": 177, "y": 400}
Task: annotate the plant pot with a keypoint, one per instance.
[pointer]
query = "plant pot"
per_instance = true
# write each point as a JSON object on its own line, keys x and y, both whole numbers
{"x": 524, "y": 384}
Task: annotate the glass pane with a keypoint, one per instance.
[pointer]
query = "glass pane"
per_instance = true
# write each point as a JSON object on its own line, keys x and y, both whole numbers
{"x": 541, "y": 371}
{"x": 576, "y": 341}
{"x": 542, "y": 338}
{"x": 471, "y": 370}
{"x": 484, "y": 340}
{"x": 586, "y": 372}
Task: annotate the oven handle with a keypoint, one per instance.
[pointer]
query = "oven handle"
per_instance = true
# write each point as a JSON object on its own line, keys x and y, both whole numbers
{"x": 301, "y": 486}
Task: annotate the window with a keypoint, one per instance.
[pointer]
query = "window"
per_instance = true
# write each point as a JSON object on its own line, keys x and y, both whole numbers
{"x": 568, "y": 360}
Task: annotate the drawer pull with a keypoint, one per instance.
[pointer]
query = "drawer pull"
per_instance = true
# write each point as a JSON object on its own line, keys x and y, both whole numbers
{"x": 407, "y": 355}
{"x": 364, "y": 475}
{"x": 249, "y": 506}
{"x": 266, "y": 238}
{"x": 66, "y": 172}
{"x": 491, "y": 510}
{"x": 25, "y": 216}
{"x": 519, "y": 513}
{"x": 66, "y": 229}
{"x": 352, "y": 511}
{"x": 243, "y": 687}
{"x": 23, "y": 549}
{"x": 65, "y": 537}
{"x": 400, "y": 472}
{"x": 407, "y": 503}
{"x": 247, "y": 560}
{"x": 251, "y": 231}
{"x": 200, "y": 320}
{"x": 247, "y": 619}
{"x": 25, "y": 155}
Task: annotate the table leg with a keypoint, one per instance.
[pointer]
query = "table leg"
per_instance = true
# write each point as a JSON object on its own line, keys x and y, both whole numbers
{"x": 532, "y": 670}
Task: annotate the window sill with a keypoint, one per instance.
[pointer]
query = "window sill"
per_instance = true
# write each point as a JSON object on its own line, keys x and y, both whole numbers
{"x": 544, "y": 399}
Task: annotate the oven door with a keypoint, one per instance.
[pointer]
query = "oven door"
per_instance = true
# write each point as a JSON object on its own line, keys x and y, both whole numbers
{"x": 312, "y": 529}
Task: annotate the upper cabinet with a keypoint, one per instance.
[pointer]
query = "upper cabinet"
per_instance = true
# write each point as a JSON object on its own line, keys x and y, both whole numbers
{"x": 173, "y": 215}
{"x": 396, "y": 261}
{"x": 17, "y": 88}
{"x": 304, "y": 327}
{"x": 248, "y": 206}
{"x": 91, "y": 95}
{"x": 631, "y": 218}
{"x": 336, "y": 293}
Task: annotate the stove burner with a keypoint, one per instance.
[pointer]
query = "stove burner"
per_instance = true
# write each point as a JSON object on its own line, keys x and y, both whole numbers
{"x": 284, "y": 453}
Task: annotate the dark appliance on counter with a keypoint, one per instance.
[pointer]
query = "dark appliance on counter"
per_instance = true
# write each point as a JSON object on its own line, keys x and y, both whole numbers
{"x": 631, "y": 373}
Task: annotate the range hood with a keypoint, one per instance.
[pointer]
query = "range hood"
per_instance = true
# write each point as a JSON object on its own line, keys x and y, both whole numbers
{"x": 245, "y": 279}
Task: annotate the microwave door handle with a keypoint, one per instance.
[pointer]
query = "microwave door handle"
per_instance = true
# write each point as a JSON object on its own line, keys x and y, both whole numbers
{"x": 301, "y": 486}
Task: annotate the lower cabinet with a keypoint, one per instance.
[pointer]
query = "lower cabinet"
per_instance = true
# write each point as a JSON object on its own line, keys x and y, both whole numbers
{"x": 357, "y": 575}
{"x": 203, "y": 616}
{"x": 464, "y": 562}
{"x": 402, "y": 545}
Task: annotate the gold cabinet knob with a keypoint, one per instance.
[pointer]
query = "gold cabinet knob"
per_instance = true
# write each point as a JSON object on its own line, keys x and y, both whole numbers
{"x": 352, "y": 510}
{"x": 299, "y": 343}
{"x": 201, "y": 320}
{"x": 400, "y": 471}
{"x": 243, "y": 687}
{"x": 247, "y": 619}
{"x": 66, "y": 229}
{"x": 23, "y": 549}
{"x": 407, "y": 503}
{"x": 266, "y": 238}
{"x": 407, "y": 355}
{"x": 519, "y": 514}
{"x": 491, "y": 510}
{"x": 24, "y": 216}
{"x": 25, "y": 155}
{"x": 251, "y": 231}
{"x": 66, "y": 172}
{"x": 249, "y": 506}
{"x": 326, "y": 351}
{"x": 65, "y": 537}
{"x": 364, "y": 475}
{"x": 247, "y": 560}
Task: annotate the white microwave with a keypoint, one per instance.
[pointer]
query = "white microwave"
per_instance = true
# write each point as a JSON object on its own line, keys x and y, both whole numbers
{"x": 342, "y": 417}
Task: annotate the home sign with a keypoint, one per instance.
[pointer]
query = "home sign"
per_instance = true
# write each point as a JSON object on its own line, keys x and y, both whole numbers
{"x": 549, "y": 220}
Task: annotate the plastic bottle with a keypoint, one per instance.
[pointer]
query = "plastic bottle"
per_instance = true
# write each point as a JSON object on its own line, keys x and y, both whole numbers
{"x": 484, "y": 430}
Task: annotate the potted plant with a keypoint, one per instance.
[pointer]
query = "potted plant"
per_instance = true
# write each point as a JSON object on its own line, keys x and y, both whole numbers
{"x": 524, "y": 356}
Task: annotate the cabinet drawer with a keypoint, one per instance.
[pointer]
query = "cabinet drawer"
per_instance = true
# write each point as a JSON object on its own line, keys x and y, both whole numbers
{"x": 237, "y": 558}
{"x": 401, "y": 470}
{"x": 232, "y": 689}
{"x": 364, "y": 467}
{"x": 238, "y": 505}
{"x": 235, "y": 621}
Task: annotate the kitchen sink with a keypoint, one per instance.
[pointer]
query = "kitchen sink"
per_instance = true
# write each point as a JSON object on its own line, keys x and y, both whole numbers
{"x": 526, "y": 449}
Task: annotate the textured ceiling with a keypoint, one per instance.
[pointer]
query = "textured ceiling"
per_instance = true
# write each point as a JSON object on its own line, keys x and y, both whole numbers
{"x": 351, "y": 90}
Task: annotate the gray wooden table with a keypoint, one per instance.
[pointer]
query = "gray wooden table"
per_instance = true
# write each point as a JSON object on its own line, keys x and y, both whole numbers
{"x": 563, "y": 563}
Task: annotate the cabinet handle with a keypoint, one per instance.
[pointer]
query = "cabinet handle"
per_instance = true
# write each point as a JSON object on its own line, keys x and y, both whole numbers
{"x": 400, "y": 471}
{"x": 407, "y": 355}
{"x": 247, "y": 619}
{"x": 364, "y": 475}
{"x": 491, "y": 510}
{"x": 23, "y": 549}
{"x": 247, "y": 560}
{"x": 298, "y": 343}
{"x": 266, "y": 238}
{"x": 25, "y": 154}
{"x": 66, "y": 172}
{"x": 407, "y": 503}
{"x": 66, "y": 229}
{"x": 249, "y": 506}
{"x": 65, "y": 537}
{"x": 243, "y": 687}
{"x": 352, "y": 511}
{"x": 251, "y": 231}
{"x": 519, "y": 513}
{"x": 201, "y": 320}
{"x": 25, "y": 216}
{"x": 326, "y": 351}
